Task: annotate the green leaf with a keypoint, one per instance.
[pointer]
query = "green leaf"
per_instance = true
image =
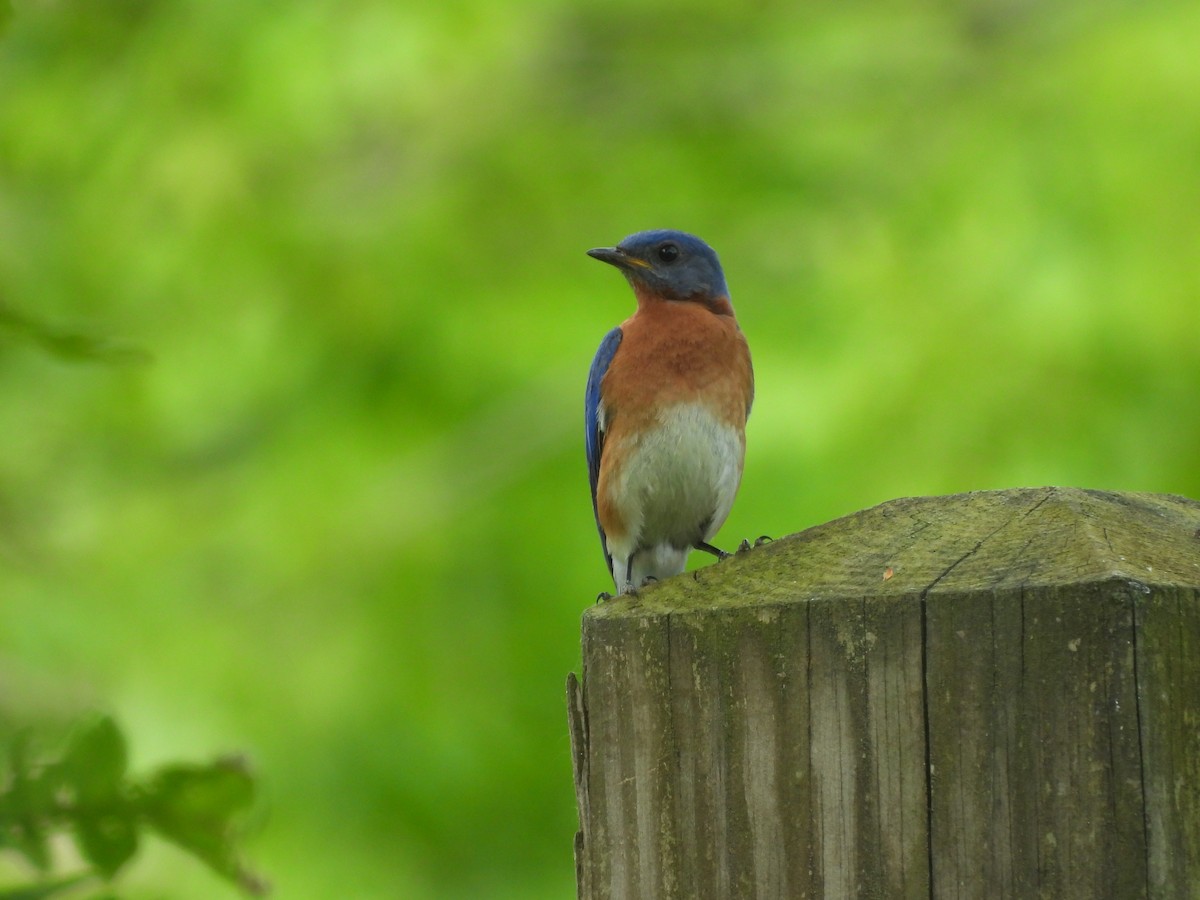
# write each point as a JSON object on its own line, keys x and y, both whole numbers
{"x": 24, "y": 807}
{"x": 108, "y": 838}
{"x": 95, "y": 761}
{"x": 196, "y": 807}
{"x": 27, "y": 837}
{"x": 92, "y": 779}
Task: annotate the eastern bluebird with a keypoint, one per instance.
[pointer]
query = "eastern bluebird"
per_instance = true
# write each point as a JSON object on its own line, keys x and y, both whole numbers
{"x": 668, "y": 395}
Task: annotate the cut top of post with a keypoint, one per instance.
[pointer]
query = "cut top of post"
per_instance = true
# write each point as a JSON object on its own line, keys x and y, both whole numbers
{"x": 984, "y": 540}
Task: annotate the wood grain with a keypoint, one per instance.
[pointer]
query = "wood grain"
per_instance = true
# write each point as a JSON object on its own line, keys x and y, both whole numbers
{"x": 986, "y": 695}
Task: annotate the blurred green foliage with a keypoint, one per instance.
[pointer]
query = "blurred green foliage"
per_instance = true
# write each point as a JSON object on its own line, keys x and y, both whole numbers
{"x": 86, "y": 792}
{"x": 340, "y": 518}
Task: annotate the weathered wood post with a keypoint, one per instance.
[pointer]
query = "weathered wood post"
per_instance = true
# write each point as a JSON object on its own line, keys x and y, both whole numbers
{"x": 980, "y": 696}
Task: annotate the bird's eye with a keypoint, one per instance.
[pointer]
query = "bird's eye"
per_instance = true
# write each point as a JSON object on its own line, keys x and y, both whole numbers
{"x": 668, "y": 253}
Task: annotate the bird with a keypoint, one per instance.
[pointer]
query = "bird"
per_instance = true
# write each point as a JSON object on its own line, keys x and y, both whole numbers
{"x": 668, "y": 395}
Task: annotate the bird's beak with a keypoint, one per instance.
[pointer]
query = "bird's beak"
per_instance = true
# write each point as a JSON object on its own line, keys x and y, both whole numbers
{"x": 615, "y": 256}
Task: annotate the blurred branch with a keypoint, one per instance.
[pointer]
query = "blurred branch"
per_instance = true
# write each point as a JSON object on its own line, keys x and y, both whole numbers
{"x": 68, "y": 345}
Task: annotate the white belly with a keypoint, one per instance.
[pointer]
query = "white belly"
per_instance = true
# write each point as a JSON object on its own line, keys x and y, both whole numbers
{"x": 675, "y": 491}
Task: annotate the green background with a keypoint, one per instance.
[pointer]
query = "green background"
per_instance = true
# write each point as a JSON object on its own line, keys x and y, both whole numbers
{"x": 339, "y": 519}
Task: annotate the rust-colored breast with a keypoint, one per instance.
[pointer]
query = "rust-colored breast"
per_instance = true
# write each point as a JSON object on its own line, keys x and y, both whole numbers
{"x": 677, "y": 352}
{"x": 671, "y": 352}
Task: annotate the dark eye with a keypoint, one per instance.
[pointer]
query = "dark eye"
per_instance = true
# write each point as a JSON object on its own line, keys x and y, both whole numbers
{"x": 668, "y": 253}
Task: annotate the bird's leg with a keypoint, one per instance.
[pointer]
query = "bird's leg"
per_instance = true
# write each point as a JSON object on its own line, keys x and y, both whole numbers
{"x": 603, "y": 596}
{"x": 715, "y": 551}
{"x": 630, "y": 587}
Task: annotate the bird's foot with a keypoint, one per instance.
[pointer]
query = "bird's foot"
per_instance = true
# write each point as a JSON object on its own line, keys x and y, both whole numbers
{"x": 745, "y": 546}
{"x": 629, "y": 590}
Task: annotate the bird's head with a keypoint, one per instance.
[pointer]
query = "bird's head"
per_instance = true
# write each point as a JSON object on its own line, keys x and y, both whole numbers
{"x": 671, "y": 265}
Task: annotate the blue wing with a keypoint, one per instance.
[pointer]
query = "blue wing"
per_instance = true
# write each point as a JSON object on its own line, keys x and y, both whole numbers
{"x": 593, "y": 433}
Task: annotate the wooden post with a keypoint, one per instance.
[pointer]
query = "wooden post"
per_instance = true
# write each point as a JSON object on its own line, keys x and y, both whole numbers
{"x": 980, "y": 696}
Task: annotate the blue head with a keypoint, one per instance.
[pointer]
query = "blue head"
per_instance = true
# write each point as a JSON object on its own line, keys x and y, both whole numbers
{"x": 670, "y": 264}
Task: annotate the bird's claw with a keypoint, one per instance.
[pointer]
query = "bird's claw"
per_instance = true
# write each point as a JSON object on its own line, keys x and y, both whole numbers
{"x": 745, "y": 546}
{"x": 603, "y": 596}
{"x": 631, "y": 589}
